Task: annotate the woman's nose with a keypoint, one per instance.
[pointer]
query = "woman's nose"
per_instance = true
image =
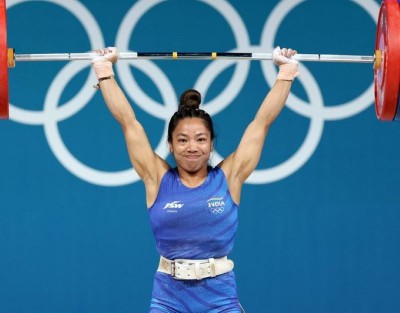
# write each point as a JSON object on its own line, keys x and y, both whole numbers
{"x": 192, "y": 146}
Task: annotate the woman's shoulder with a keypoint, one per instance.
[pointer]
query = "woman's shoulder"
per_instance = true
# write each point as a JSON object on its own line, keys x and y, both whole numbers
{"x": 172, "y": 172}
{"x": 215, "y": 171}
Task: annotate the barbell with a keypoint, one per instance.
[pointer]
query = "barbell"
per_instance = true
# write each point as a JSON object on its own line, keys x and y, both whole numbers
{"x": 386, "y": 60}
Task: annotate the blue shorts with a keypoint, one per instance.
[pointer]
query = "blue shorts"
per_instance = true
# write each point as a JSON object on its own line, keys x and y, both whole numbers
{"x": 209, "y": 295}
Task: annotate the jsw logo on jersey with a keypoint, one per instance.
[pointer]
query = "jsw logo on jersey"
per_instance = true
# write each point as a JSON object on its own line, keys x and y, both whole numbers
{"x": 174, "y": 205}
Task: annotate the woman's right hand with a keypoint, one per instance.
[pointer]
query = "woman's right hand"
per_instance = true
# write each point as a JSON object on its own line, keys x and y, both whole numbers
{"x": 102, "y": 62}
{"x": 106, "y": 54}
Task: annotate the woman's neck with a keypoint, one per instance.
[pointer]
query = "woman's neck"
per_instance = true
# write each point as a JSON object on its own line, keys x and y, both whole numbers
{"x": 192, "y": 179}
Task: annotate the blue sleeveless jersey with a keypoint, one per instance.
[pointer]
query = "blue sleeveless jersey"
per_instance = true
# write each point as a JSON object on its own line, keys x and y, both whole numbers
{"x": 194, "y": 223}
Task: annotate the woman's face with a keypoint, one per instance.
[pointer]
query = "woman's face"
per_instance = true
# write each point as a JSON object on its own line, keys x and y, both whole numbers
{"x": 191, "y": 145}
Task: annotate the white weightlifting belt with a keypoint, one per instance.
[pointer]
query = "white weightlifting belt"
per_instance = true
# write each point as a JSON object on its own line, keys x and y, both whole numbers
{"x": 185, "y": 269}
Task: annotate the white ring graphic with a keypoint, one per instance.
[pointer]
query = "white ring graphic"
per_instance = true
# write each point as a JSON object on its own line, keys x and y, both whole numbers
{"x": 317, "y": 112}
{"x": 96, "y": 40}
{"x": 296, "y": 104}
{"x": 165, "y": 111}
{"x": 57, "y": 145}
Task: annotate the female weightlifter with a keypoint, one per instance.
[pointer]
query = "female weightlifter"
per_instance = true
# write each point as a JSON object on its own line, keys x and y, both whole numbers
{"x": 193, "y": 207}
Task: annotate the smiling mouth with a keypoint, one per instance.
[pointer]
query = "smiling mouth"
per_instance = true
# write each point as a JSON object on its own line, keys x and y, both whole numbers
{"x": 192, "y": 157}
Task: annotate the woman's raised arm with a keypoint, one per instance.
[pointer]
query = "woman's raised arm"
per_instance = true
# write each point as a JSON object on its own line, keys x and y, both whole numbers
{"x": 241, "y": 163}
{"x": 148, "y": 165}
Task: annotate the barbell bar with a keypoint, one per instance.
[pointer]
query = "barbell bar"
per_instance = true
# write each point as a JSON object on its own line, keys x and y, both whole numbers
{"x": 188, "y": 56}
{"x": 386, "y": 60}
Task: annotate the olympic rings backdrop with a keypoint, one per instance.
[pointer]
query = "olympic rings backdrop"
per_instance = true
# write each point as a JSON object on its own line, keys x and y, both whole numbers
{"x": 319, "y": 219}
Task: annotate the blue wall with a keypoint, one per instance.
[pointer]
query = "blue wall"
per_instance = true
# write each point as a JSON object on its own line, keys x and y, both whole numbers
{"x": 319, "y": 221}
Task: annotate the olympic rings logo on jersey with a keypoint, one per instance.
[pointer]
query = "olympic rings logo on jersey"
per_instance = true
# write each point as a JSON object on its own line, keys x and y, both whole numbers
{"x": 217, "y": 210}
{"x": 53, "y": 112}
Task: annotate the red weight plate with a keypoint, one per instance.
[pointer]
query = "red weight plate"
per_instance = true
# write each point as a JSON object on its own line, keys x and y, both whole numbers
{"x": 387, "y": 76}
{"x": 4, "y": 104}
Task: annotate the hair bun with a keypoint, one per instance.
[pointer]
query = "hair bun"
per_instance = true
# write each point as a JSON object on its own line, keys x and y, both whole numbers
{"x": 190, "y": 99}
